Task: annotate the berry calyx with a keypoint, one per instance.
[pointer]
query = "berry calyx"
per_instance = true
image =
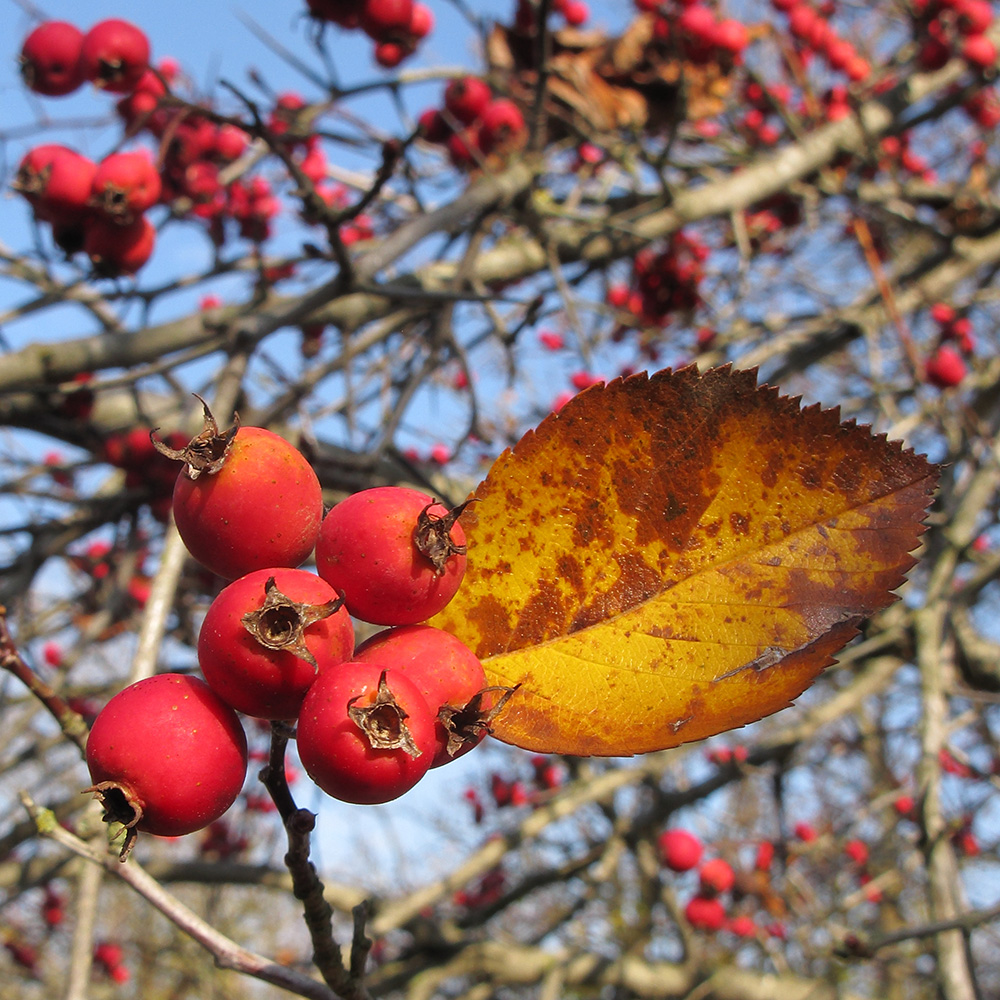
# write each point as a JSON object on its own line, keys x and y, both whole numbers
{"x": 245, "y": 500}
{"x": 265, "y": 636}
{"x": 396, "y": 555}
{"x": 365, "y": 734}
{"x": 280, "y": 622}
{"x": 114, "y": 55}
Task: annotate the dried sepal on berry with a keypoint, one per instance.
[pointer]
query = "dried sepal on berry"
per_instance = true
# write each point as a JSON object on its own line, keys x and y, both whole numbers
{"x": 384, "y": 721}
{"x": 280, "y": 622}
{"x": 207, "y": 451}
{"x": 119, "y": 807}
{"x": 468, "y": 725}
{"x": 432, "y": 535}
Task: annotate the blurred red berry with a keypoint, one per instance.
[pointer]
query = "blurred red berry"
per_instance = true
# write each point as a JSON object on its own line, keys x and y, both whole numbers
{"x": 679, "y": 850}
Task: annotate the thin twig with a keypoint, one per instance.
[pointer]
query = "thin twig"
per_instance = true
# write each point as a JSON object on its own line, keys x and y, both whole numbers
{"x": 228, "y": 954}
{"x": 71, "y": 723}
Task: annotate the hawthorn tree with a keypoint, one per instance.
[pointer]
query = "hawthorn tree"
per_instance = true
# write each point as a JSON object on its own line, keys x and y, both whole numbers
{"x": 401, "y": 268}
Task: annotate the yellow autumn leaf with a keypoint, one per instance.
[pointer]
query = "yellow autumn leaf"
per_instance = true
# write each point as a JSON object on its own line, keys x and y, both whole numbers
{"x": 672, "y": 556}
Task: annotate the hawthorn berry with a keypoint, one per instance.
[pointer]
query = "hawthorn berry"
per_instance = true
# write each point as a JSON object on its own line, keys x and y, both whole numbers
{"x": 265, "y": 636}
{"x": 857, "y": 851}
{"x": 945, "y": 368}
{"x": 421, "y": 21}
{"x": 245, "y": 500}
{"x": 716, "y": 876}
{"x": 365, "y": 734}
{"x": 805, "y": 832}
{"x": 117, "y": 250}
{"x": 50, "y": 59}
{"x": 679, "y": 850}
{"x": 501, "y": 125}
{"x": 125, "y": 185}
{"x": 466, "y": 98}
{"x": 396, "y": 555}
{"x": 379, "y": 18}
{"x": 765, "y": 856}
{"x": 56, "y": 181}
{"x": 742, "y": 926}
{"x": 114, "y": 55}
{"x": 979, "y": 51}
{"x": 449, "y": 676}
{"x": 167, "y": 756}
{"x": 706, "y": 913}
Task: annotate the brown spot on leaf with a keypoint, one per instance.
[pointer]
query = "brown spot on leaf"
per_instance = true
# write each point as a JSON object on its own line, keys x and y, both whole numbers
{"x": 628, "y": 577}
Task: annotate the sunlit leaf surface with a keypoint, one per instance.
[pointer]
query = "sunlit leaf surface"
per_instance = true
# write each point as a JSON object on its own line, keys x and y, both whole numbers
{"x": 675, "y": 555}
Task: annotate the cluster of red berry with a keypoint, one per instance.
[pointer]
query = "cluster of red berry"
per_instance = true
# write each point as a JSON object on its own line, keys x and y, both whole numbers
{"x": 396, "y": 26}
{"x": 681, "y": 851}
{"x": 277, "y": 643}
{"x": 702, "y": 36}
{"x": 97, "y": 208}
{"x": 665, "y": 282}
{"x": 946, "y": 366}
{"x": 100, "y": 208}
{"x": 109, "y": 957}
{"x": 816, "y": 36}
{"x": 473, "y": 124}
{"x": 946, "y": 28}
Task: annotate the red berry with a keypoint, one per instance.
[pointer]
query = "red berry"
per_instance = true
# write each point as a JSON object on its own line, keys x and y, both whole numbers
{"x": 466, "y": 98}
{"x": 801, "y": 20}
{"x": 839, "y": 52}
{"x": 380, "y": 18}
{"x": 50, "y": 59}
{"x": 765, "y": 856}
{"x": 716, "y": 876}
{"x": 421, "y": 22}
{"x": 390, "y": 54}
{"x": 945, "y": 367}
{"x": 264, "y": 665}
{"x": 365, "y": 734}
{"x": 109, "y": 954}
{"x": 942, "y": 313}
{"x": 167, "y": 756}
{"x": 857, "y": 851}
{"x": 125, "y": 185}
{"x": 742, "y": 926}
{"x": 500, "y": 125}
{"x": 397, "y": 556}
{"x": 805, "y": 832}
{"x": 706, "y": 913}
{"x": 119, "y": 974}
{"x": 858, "y": 69}
{"x": 261, "y": 507}
{"x": 904, "y": 805}
{"x": 116, "y": 250}
{"x": 57, "y": 182}
{"x": 679, "y": 850}
{"x": 732, "y": 35}
{"x": 618, "y": 296}
{"x": 433, "y": 126}
{"x": 464, "y": 149}
{"x": 448, "y": 674}
{"x": 974, "y": 16}
{"x": 575, "y": 12}
{"x": 979, "y": 51}
{"x": 114, "y": 55}
{"x": 52, "y": 654}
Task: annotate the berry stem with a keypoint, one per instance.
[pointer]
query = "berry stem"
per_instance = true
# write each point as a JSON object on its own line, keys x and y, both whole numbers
{"x": 307, "y": 885}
